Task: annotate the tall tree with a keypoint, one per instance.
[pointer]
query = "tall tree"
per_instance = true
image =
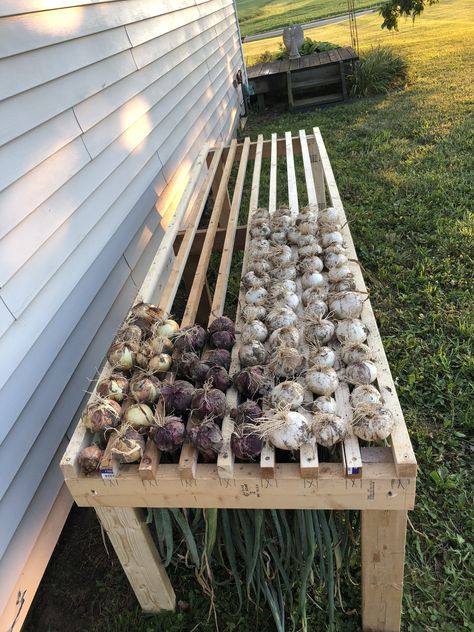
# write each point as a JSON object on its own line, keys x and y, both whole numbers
{"x": 393, "y": 10}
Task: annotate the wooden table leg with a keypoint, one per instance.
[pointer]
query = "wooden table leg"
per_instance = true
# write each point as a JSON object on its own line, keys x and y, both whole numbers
{"x": 132, "y": 541}
{"x": 383, "y": 535}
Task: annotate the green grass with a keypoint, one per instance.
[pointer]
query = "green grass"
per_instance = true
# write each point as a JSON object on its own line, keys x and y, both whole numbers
{"x": 259, "y": 16}
{"x": 403, "y": 164}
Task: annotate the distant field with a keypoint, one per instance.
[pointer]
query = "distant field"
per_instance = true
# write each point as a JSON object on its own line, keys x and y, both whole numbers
{"x": 259, "y": 16}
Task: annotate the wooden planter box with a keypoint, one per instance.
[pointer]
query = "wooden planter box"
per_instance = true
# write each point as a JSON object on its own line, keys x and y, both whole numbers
{"x": 378, "y": 481}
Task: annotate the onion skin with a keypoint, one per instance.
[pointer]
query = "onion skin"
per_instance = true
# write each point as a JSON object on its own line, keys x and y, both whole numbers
{"x": 114, "y": 387}
{"x": 169, "y": 328}
{"x": 89, "y": 459}
{"x": 160, "y": 344}
{"x": 160, "y": 364}
{"x": 139, "y": 416}
{"x": 222, "y": 323}
{"x": 192, "y": 338}
{"x": 148, "y": 311}
{"x": 121, "y": 355}
{"x": 177, "y": 396}
{"x": 207, "y": 439}
{"x": 185, "y": 363}
{"x": 170, "y": 435}
{"x": 103, "y": 415}
{"x": 217, "y": 357}
{"x": 247, "y": 447}
{"x": 246, "y": 413}
{"x": 129, "y": 333}
{"x": 199, "y": 373}
{"x": 251, "y": 382}
{"x": 222, "y": 340}
{"x": 208, "y": 402}
{"x": 218, "y": 377}
{"x": 144, "y": 388}
{"x": 129, "y": 447}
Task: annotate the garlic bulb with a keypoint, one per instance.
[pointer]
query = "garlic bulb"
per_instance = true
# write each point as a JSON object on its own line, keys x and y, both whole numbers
{"x": 329, "y": 429}
{"x": 365, "y": 394}
{"x": 281, "y": 317}
{"x": 363, "y": 372}
{"x": 285, "y": 336}
{"x": 324, "y": 404}
{"x": 347, "y": 304}
{"x": 322, "y": 357}
{"x": 250, "y": 311}
{"x": 256, "y": 296}
{"x": 252, "y": 280}
{"x": 322, "y": 381}
{"x": 286, "y": 361}
{"x": 252, "y": 354}
{"x": 357, "y": 352}
{"x": 351, "y": 330}
{"x": 288, "y": 394}
{"x": 318, "y": 330}
{"x": 339, "y": 274}
{"x": 373, "y": 422}
{"x": 254, "y": 330}
{"x": 332, "y": 238}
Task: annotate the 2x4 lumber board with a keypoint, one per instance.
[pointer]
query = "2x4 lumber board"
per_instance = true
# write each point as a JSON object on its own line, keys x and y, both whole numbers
{"x": 226, "y": 458}
{"x": 203, "y": 264}
{"x": 150, "y": 460}
{"x": 188, "y": 238}
{"x": 308, "y": 172}
{"x": 383, "y": 535}
{"x": 351, "y": 456}
{"x": 81, "y": 436}
{"x": 218, "y": 245}
{"x": 379, "y": 489}
{"x": 272, "y": 193}
{"x": 132, "y": 541}
{"x": 403, "y": 454}
{"x": 318, "y": 174}
{"x": 290, "y": 168}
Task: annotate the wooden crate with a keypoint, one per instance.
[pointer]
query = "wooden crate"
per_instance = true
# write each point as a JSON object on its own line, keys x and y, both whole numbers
{"x": 378, "y": 481}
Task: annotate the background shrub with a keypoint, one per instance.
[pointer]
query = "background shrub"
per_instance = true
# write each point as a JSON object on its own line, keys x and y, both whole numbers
{"x": 379, "y": 70}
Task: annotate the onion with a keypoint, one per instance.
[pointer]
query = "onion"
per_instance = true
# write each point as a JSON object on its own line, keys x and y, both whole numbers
{"x": 252, "y": 353}
{"x": 335, "y": 275}
{"x": 256, "y": 296}
{"x": 254, "y": 330}
{"x": 138, "y": 416}
{"x": 285, "y": 429}
{"x": 322, "y": 357}
{"x": 346, "y": 285}
{"x": 208, "y": 402}
{"x": 334, "y": 260}
{"x": 351, "y": 330}
{"x": 312, "y": 279}
{"x": 169, "y": 434}
{"x": 177, "y": 395}
{"x": 206, "y": 438}
{"x": 222, "y": 323}
{"x": 184, "y": 363}
{"x": 246, "y": 447}
{"x": 160, "y": 363}
{"x": 199, "y": 371}
{"x": 287, "y": 336}
{"x": 279, "y": 317}
{"x": 217, "y": 357}
{"x": 365, "y": 394}
{"x": 89, "y": 459}
{"x": 252, "y": 280}
{"x": 329, "y": 215}
{"x": 324, "y": 404}
{"x": 218, "y": 377}
{"x": 373, "y": 422}
{"x": 261, "y": 267}
{"x": 148, "y": 312}
{"x": 355, "y": 352}
{"x": 322, "y": 381}
{"x": 246, "y": 413}
{"x": 129, "y": 446}
{"x": 129, "y": 333}
{"x": 121, "y": 355}
{"x": 363, "y": 372}
{"x": 251, "y": 312}
{"x": 113, "y": 387}
{"x": 329, "y": 429}
{"x": 168, "y": 329}
{"x": 329, "y": 239}
{"x": 286, "y": 361}
{"x": 191, "y": 338}
{"x": 287, "y": 394}
{"x": 318, "y": 330}
{"x": 161, "y": 344}
{"x": 222, "y": 340}
{"x": 316, "y": 308}
{"x": 102, "y": 415}
{"x": 252, "y": 382}
{"x": 310, "y": 250}
{"x": 144, "y": 388}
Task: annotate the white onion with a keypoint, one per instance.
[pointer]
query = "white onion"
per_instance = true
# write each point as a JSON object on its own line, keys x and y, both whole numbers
{"x": 351, "y": 330}
{"x": 138, "y": 416}
{"x": 324, "y": 404}
{"x": 329, "y": 429}
{"x": 363, "y": 372}
{"x": 168, "y": 329}
{"x": 316, "y": 308}
{"x": 310, "y": 250}
{"x": 329, "y": 215}
{"x": 318, "y": 330}
{"x": 250, "y": 312}
{"x": 286, "y": 336}
{"x": 287, "y": 394}
{"x": 160, "y": 363}
{"x": 339, "y": 274}
{"x": 322, "y": 357}
{"x": 256, "y": 295}
{"x": 312, "y": 279}
{"x": 329, "y": 239}
{"x": 373, "y": 422}
{"x": 254, "y": 330}
{"x": 334, "y": 260}
{"x": 351, "y": 353}
{"x": 347, "y": 304}
{"x": 252, "y": 354}
{"x": 281, "y": 317}
{"x": 365, "y": 394}
{"x": 322, "y": 381}
{"x": 286, "y": 361}
{"x": 311, "y": 264}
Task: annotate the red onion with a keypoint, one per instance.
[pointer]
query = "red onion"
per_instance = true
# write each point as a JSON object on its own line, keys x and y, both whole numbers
{"x": 251, "y": 382}
{"x": 217, "y": 357}
{"x": 208, "y": 402}
{"x": 222, "y": 340}
{"x": 247, "y": 447}
{"x": 218, "y": 377}
{"x": 102, "y": 415}
{"x": 222, "y": 324}
{"x": 170, "y": 435}
{"x": 191, "y": 338}
{"x": 89, "y": 458}
{"x": 184, "y": 362}
{"x": 177, "y": 395}
{"x": 246, "y": 413}
{"x": 198, "y": 373}
{"x": 113, "y": 387}
{"x": 207, "y": 438}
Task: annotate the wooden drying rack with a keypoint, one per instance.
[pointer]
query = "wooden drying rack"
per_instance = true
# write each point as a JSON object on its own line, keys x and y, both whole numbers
{"x": 378, "y": 481}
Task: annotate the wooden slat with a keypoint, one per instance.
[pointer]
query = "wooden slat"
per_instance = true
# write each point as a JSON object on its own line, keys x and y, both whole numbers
{"x": 308, "y": 173}
{"x": 226, "y": 459}
{"x": 403, "y": 453}
{"x": 290, "y": 167}
{"x": 351, "y": 456}
{"x": 148, "y": 466}
{"x": 272, "y": 201}
{"x": 218, "y": 245}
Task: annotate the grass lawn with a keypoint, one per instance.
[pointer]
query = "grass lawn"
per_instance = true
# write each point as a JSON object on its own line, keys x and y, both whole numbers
{"x": 259, "y": 16}
{"x": 403, "y": 164}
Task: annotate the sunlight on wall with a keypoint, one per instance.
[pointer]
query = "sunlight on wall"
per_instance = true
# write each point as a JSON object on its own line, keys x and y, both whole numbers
{"x": 170, "y": 197}
{"x": 135, "y": 122}
{"x": 59, "y": 21}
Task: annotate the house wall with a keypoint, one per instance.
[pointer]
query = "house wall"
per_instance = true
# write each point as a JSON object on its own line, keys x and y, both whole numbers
{"x": 103, "y": 108}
